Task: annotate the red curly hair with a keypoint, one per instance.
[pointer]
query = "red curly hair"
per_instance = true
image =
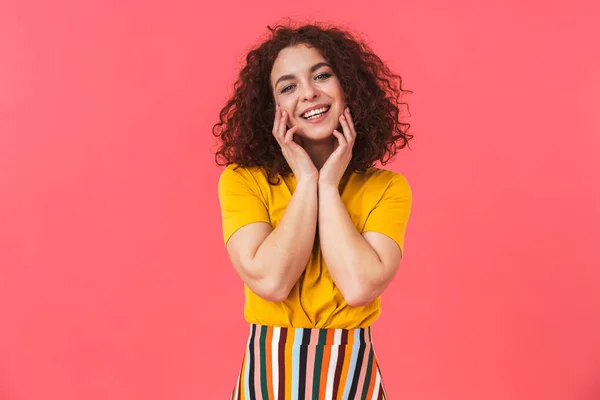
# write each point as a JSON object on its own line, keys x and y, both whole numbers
{"x": 372, "y": 92}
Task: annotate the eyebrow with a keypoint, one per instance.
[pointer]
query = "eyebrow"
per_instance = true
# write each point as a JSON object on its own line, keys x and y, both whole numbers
{"x": 312, "y": 69}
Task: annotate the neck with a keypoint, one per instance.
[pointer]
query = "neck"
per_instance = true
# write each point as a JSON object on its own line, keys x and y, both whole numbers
{"x": 319, "y": 151}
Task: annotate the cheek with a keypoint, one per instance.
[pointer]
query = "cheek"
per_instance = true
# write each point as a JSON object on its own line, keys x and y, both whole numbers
{"x": 333, "y": 87}
{"x": 342, "y": 96}
{"x": 286, "y": 105}
{"x": 291, "y": 119}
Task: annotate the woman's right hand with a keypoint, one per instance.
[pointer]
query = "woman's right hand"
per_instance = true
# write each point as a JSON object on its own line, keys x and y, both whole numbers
{"x": 297, "y": 158}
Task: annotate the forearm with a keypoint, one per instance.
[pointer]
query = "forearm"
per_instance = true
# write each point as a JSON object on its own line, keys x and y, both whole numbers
{"x": 284, "y": 254}
{"x": 352, "y": 263}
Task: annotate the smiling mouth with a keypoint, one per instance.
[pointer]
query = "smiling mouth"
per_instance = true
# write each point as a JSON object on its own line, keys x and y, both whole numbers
{"x": 313, "y": 114}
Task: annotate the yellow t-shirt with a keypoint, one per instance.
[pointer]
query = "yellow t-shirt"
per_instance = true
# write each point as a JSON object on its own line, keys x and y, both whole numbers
{"x": 378, "y": 200}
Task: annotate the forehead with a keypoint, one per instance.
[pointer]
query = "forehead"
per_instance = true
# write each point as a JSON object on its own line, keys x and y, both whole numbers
{"x": 295, "y": 60}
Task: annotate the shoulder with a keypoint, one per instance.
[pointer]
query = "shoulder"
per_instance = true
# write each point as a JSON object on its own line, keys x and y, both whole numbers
{"x": 238, "y": 170}
{"x": 381, "y": 179}
{"x": 237, "y": 174}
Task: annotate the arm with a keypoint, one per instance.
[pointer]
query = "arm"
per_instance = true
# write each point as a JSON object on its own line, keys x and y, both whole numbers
{"x": 270, "y": 261}
{"x": 361, "y": 266}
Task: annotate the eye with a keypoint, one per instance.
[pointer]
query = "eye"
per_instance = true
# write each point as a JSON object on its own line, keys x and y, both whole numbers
{"x": 324, "y": 75}
{"x": 287, "y": 88}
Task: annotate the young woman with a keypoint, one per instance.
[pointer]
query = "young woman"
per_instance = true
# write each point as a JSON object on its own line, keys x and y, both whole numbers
{"x": 311, "y": 226}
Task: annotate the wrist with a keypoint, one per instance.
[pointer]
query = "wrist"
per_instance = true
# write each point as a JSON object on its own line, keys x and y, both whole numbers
{"x": 325, "y": 186}
{"x": 308, "y": 182}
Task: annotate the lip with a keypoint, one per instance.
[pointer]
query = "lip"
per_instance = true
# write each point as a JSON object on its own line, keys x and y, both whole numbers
{"x": 318, "y": 119}
{"x": 314, "y": 108}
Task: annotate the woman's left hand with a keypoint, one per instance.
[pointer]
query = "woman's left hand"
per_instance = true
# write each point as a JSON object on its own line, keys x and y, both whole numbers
{"x": 332, "y": 171}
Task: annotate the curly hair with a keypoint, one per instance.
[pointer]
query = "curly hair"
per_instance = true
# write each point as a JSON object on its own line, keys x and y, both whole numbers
{"x": 372, "y": 92}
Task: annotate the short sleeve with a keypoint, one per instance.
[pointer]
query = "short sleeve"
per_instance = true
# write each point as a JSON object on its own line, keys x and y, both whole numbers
{"x": 391, "y": 213}
{"x": 240, "y": 201}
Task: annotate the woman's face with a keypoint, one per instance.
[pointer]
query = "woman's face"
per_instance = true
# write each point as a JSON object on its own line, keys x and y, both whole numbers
{"x": 305, "y": 86}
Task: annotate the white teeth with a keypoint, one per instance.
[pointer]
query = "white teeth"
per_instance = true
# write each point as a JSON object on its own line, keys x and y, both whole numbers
{"x": 314, "y": 113}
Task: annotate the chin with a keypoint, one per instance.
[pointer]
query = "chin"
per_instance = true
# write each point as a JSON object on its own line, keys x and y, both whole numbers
{"x": 317, "y": 133}
{"x": 317, "y": 136}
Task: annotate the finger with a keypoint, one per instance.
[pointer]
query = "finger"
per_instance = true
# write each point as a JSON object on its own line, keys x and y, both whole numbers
{"x": 350, "y": 122}
{"x": 340, "y": 137}
{"x": 276, "y": 122}
{"x": 283, "y": 124}
{"x": 289, "y": 136}
{"x": 346, "y": 129}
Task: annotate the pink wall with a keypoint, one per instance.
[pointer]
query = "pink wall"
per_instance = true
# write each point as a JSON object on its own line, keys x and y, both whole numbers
{"x": 114, "y": 283}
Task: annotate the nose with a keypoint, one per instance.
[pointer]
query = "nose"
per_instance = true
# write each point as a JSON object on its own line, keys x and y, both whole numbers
{"x": 309, "y": 91}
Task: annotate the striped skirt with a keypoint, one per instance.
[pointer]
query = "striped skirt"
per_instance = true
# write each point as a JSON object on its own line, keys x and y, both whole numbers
{"x": 309, "y": 364}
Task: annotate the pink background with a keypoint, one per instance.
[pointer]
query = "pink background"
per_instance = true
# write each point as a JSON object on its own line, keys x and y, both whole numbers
{"x": 114, "y": 282}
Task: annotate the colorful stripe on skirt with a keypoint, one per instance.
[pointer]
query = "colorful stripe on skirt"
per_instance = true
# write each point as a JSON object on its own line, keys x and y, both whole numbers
{"x": 309, "y": 364}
